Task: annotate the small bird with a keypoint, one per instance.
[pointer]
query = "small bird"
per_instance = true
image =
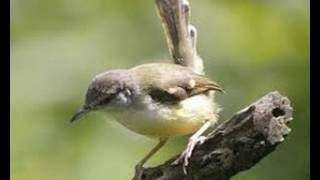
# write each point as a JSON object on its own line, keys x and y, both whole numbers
{"x": 158, "y": 100}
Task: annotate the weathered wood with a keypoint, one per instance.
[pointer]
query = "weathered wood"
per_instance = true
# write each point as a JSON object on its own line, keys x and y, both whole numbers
{"x": 236, "y": 145}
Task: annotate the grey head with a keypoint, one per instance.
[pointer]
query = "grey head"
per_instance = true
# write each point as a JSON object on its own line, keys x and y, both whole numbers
{"x": 115, "y": 88}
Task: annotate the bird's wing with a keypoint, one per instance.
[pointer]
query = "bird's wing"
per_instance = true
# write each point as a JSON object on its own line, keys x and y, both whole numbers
{"x": 168, "y": 95}
{"x": 201, "y": 84}
{"x": 182, "y": 89}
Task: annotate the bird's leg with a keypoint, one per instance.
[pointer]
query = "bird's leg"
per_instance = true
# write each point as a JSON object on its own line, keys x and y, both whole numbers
{"x": 139, "y": 167}
{"x": 193, "y": 141}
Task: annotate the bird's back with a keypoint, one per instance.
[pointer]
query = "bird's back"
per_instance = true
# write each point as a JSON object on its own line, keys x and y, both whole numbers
{"x": 162, "y": 74}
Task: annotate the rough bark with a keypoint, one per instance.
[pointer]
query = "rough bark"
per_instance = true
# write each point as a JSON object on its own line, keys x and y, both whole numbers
{"x": 236, "y": 145}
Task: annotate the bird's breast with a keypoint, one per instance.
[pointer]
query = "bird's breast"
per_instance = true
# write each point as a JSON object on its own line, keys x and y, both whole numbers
{"x": 159, "y": 120}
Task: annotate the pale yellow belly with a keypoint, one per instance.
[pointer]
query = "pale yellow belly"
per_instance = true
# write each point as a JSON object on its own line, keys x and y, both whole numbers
{"x": 166, "y": 121}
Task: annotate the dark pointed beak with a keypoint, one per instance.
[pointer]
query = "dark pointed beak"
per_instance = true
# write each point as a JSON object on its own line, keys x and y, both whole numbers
{"x": 82, "y": 111}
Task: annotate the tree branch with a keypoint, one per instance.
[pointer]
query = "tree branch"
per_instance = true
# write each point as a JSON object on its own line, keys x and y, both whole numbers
{"x": 236, "y": 145}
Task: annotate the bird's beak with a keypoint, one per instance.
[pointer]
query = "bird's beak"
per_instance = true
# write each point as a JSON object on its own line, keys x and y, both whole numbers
{"x": 82, "y": 111}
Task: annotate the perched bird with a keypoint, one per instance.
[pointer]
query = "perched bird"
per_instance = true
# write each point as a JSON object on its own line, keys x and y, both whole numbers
{"x": 158, "y": 100}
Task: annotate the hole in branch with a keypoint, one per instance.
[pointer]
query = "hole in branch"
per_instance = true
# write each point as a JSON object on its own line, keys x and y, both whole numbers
{"x": 276, "y": 112}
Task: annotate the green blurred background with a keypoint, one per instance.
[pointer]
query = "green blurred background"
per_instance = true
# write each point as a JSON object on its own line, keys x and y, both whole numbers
{"x": 250, "y": 47}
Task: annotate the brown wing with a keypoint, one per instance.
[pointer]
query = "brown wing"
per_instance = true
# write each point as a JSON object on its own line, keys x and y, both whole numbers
{"x": 195, "y": 85}
{"x": 201, "y": 84}
{"x": 168, "y": 96}
{"x": 171, "y": 83}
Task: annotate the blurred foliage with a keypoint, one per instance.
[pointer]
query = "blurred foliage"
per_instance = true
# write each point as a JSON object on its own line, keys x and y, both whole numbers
{"x": 250, "y": 47}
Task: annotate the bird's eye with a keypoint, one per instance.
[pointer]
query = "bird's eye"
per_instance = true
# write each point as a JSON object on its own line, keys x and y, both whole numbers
{"x": 105, "y": 100}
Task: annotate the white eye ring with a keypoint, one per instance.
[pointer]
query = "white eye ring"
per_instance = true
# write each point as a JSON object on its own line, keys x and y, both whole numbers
{"x": 128, "y": 92}
{"x": 122, "y": 97}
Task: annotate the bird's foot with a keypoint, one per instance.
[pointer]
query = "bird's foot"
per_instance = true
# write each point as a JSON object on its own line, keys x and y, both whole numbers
{"x": 139, "y": 169}
{"x": 186, "y": 154}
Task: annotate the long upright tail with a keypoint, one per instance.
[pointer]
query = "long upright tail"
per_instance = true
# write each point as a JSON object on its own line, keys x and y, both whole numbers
{"x": 181, "y": 36}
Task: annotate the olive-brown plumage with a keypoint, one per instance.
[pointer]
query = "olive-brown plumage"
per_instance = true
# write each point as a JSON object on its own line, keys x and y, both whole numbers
{"x": 173, "y": 80}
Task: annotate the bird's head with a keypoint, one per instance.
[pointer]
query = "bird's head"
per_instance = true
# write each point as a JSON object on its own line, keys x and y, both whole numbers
{"x": 115, "y": 88}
